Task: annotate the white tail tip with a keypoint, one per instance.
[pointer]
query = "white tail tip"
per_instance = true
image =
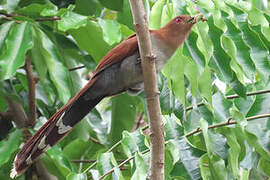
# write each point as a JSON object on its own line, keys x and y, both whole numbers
{"x": 13, "y": 173}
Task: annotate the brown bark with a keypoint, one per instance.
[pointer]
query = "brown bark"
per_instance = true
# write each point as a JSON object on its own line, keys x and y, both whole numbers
{"x": 151, "y": 90}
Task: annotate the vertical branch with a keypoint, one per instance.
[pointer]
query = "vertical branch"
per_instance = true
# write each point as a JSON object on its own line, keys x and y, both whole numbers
{"x": 151, "y": 90}
{"x": 32, "y": 92}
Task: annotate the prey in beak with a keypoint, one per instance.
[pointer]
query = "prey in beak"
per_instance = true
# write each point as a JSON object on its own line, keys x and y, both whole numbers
{"x": 196, "y": 18}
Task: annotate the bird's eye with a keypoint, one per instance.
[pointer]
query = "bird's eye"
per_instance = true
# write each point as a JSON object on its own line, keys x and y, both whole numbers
{"x": 179, "y": 19}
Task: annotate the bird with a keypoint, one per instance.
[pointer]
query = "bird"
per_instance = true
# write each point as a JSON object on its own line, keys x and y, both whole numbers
{"x": 118, "y": 71}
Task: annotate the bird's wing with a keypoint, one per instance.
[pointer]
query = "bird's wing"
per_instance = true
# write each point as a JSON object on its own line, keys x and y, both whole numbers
{"x": 119, "y": 53}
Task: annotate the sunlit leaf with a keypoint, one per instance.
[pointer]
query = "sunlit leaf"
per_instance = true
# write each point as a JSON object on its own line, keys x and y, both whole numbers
{"x": 17, "y": 43}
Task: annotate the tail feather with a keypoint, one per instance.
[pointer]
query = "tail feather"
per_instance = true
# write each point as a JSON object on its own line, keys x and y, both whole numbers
{"x": 54, "y": 129}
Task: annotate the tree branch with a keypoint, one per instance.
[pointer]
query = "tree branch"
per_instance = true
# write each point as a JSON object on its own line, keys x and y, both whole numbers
{"x": 76, "y": 68}
{"x": 157, "y": 145}
{"x": 234, "y": 96}
{"x": 228, "y": 122}
{"x": 32, "y": 93}
{"x": 10, "y": 16}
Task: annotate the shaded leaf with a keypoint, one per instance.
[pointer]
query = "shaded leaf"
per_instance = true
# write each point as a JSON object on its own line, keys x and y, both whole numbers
{"x": 9, "y": 145}
{"x": 74, "y": 176}
{"x": 124, "y": 108}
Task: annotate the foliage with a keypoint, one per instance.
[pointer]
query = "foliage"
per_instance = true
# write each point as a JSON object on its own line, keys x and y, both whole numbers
{"x": 208, "y": 134}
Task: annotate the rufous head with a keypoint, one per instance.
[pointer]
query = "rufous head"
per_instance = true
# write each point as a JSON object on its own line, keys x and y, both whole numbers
{"x": 176, "y": 31}
{"x": 182, "y": 23}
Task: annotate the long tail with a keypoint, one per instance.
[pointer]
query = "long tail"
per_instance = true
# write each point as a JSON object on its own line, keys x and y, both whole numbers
{"x": 59, "y": 125}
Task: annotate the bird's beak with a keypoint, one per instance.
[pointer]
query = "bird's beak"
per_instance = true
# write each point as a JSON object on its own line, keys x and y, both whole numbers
{"x": 195, "y": 19}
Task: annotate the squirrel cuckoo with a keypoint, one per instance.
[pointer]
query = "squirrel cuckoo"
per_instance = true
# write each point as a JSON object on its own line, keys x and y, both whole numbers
{"x": 120, "y": 70}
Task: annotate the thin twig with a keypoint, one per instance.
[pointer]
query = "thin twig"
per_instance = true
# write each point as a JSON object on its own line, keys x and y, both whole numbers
{"x": 138, "y": 121}
{"x": 91, "y": 161}
{"x": 76, "y": 68}
{"x": 48, "y": 19}
{"x": 197, "y": 130}
{"x": 32, "y": 92}
{"x": 228, "y": 122}
{"x": 10, "y": 16}
{"x": 94, "y": 140}
{"x": 234, "y": 96}
{"x": 249, "y": 94}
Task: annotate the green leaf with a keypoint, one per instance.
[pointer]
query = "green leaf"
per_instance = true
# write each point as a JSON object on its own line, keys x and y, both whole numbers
{"x": 125, "y": 16}
{"x": 222, "y": 60}
{"x": 133, "y": 142}
{"x": 36, "y": 9}
{"x": 234, "y": 151}
{"x": 221, "y": 107}
{"x": 59, "y": 161}
{"x": 4, "y": 30}
{"x": 204, "y": 84}
{"x": 88, "y": 7}
{"x": 9, "y": 145}
{"x": 208, "y": 144}
{"x": 168, "y": 165}
{"x": 71, "y": 20}
{"x": 92, "y": 32}
{"x": 191, "y": 72}
{"x": 141, "y": 171}
{"x": 264, "y": 166}
{"x": 172, "y": 128}
{"x": 156, "y": 14}
{"x": 204, "y": 166}
{"x": 242, "y": 57}
{"x": 238, "y": 116}
{"x": 106, "y": 162}
{"x": 74, "y": 176}
{"x": 114, "y": 5}
{"x": 9, "y": 6}
{"x": 17, "y": 43}
{"x": 111, "y": 31}
{"x": 258, "y": 51}
{"x": 192, "y": 50}
{"x": 204, "y": 43}
{"x": 3, "y": 104}
{"x": 124, "y": 108}
{"x": 186, "y": 158}
{"x": 76, "y": 149}
{"x": 217, "y": 168}
{"x": 174, "y": 71}
{"x": 47, "y": 50}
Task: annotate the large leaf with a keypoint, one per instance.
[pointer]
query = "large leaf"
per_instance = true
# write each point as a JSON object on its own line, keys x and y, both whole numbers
{"x": 49, "y": 59}
{"x": 124, "y": 108}
{"x": 105, "y": 163}
{"x": 74, "y": 176}
{"x": 90, "y": 38}
{"x": 9, "y": 145}
{"x": 186, "y": 158}
{"x": 71, "y": 20}
{"x": 115, "y": 5}
{"x": 17, "y": 43}
{"x": 141, "y": 171}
